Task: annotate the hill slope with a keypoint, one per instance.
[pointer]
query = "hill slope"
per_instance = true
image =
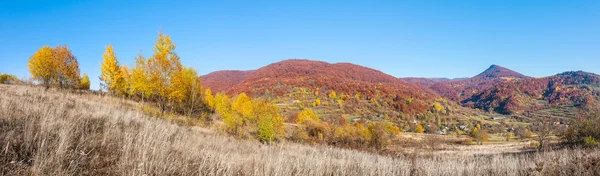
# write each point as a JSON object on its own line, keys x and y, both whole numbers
{"x": 344, "y": 78}
{"x": 465, "y": 89}
{"x": 221, "y": 81}
{"x": 579, "y": 89}
{"x": 61, "y": 133}
{"x": 340, "y": 77}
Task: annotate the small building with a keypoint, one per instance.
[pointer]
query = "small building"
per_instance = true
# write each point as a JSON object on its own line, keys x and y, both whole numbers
{"x": 510, "y": 129}
{"x": 498, "y": 117}
{"x": 556, "y": 123}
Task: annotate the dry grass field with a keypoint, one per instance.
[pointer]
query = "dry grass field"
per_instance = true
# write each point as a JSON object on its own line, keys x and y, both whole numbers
{"x": 60, "y": 133}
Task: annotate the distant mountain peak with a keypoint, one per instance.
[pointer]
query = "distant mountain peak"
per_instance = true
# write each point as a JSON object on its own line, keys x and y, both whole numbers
{"x": 495, "y": 66}
{"x": 497, "y": 71}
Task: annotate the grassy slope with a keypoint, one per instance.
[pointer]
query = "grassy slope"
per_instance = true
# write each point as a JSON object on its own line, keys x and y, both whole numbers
{"x": 59, "y": 133}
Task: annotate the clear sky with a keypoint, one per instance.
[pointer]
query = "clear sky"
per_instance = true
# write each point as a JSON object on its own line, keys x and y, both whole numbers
{"x": 401, "y": 38}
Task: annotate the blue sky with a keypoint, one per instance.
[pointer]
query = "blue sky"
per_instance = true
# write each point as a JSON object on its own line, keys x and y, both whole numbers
{"x": 401, "y": 38}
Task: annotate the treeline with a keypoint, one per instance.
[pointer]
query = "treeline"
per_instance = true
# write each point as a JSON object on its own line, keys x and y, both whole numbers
{"x": 175, "y": 89}
{"x": 160, "y": 79}
{"x": 57, "y": 67}
{"x": 9, "y": 79}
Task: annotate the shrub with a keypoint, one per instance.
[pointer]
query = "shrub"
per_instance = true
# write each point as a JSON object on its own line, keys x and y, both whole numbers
{"x": 233, "y": 124}
{"x": 266, "y": 133}
{"x": 305, "y": 115}
{"x": 585, "y": 129}
{"x": 8, "y": 79}
{"x": 379, "y": 136}
{"x": 316, "y": 130}
{"x": 533, "y": 144}
{"x": 589, "y": 142}
{"x": 468, "y": 141}
{"x": 84, "y": 83}
{"x": 363, "y": 133}
{"x": 392, "y": 129}
{"x": 479, "y": 135}
{"x": 523, "y": 133}
{"x": 431, "y": 129}
{"x": 419, "y": 129}
{"x": 509, "y": 135}
{"x": 317, "y": 102}
{"x": 347, "y": 136}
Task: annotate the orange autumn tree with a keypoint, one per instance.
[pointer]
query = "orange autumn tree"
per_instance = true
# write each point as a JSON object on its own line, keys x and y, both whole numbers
{"x": 67, "y": 67}
{"x": 50, "y": 66}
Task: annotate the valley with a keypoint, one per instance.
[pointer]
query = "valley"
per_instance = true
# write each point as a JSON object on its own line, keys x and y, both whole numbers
{"x": 499, "y": 99}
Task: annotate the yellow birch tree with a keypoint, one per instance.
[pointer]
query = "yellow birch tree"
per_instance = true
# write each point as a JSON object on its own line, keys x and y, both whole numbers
{"x": 42, "y": 66}
{"x": 162, "y": 67}
{"x": 84, "y": 82}
{"x": 110, "y": 73}
{"x": 139, "y": 78}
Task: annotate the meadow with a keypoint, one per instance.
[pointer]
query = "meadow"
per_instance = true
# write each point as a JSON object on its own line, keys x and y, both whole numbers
{"x": 59, "y": 132}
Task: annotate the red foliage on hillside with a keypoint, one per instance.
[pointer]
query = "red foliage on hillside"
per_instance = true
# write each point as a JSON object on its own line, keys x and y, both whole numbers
{"x": 341, "y": 77}
{"x": 344, "y": 78}
{"x": 466, "y": 88}
{"x": 509, "y": 97}
{"x": 221, "y": 81}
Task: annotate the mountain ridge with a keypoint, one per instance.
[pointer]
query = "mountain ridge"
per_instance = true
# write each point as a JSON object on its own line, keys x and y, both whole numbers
{"x": 461, "y": 90}
{"x": 496, "y": 89}
{"x": 345, "y": 79}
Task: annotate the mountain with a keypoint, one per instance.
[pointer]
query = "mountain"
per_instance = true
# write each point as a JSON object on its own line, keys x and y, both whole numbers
{"x": 460, "y": 90}
{"x": 220, "y": 81}
{"x": 576, "y": 89}
{"x": 497, "y": 89}
{"x": 496, "y": 71}
{"x": 340, "y": 77}
{"x": 281, "y": 78}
